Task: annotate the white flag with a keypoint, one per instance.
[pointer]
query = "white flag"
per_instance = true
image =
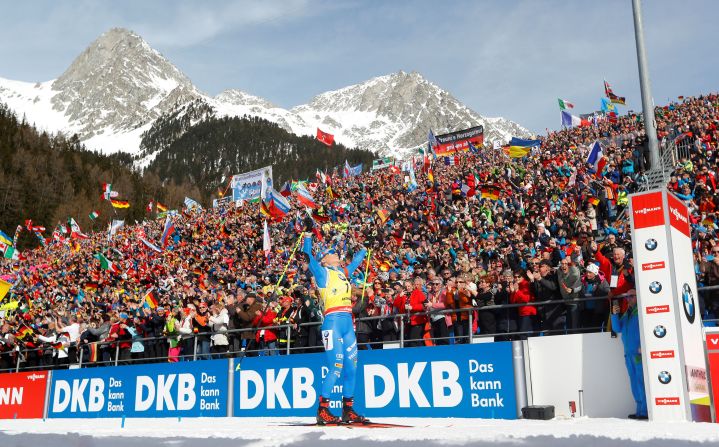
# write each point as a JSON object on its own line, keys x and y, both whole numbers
{"x": 266, "y": 242}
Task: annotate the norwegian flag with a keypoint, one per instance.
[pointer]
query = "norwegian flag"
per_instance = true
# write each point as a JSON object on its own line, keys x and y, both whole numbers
{"x": 325, "y": 138}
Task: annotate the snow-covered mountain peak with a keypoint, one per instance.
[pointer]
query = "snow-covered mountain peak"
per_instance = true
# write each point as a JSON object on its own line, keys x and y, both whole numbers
{"x": 120, "y": 87}
{"x": 239, "y": 98}
{"x": 119, "y": 82}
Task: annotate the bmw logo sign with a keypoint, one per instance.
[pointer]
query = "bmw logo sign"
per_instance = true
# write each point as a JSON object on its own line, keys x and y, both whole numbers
{"x": 664, "y": 377}
{"x": 660, "y": 331}
{"x": 650, "y": 244}
{"x": 690, "y": 309}
{"x": 655, "y": 287}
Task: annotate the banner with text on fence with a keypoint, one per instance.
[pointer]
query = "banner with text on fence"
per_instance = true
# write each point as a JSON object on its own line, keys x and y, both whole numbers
{"x": 251, "y": 185}
{"x": 189, "y": 389}
{"x": 22, "y": 395}
{"x": 444, "y": 381}
{"x": 452, "y": 142}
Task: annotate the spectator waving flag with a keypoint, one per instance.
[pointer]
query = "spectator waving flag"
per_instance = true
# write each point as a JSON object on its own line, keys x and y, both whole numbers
{"x": 266, "y": 242}
{"x": 610, "y": 94}
{"x": 192, "y": 205}
{"x": 564, "y": 104}
{"x": 150, "y": 298}
{"x": 325, "y": 138}
{"x": 167, "y": 231}
{"x": 305, "y": 198}
{"x": 596, "y": 158}
{"x": 105, "y": 263}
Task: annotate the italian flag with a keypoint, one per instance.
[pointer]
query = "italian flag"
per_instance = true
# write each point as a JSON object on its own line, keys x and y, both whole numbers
{"x": 94, "y": 215}
{"x": 105, "y": 263}
{"x": 564, "y": 104}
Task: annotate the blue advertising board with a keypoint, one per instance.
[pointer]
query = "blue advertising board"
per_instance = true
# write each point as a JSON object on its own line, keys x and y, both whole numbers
{"x": 474, "y": 381}
{"x": 188, "y": 389}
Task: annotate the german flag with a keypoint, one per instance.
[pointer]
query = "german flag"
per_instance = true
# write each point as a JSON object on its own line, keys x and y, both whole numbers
{"x": 58, "y": 345}
{"x": 161, "y": 208}
{"x": 320, "y": 218}
{"x": 92, "y": 347}
{"x": 593, "y": 200}
{"x": 264, "y": 210}
{"x": 490, "y": 192}
{"x": 23, "y": 332}
{"x": 150, "y": 298}
{"x": 91, "y": 286}
{"x": 121, "y": 203}
{"x": 383, "y": 215}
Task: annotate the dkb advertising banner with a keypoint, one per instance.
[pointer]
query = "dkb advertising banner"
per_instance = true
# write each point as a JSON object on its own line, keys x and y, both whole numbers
{"x": 189, "y": 389}
{"x": 444, "y": 381}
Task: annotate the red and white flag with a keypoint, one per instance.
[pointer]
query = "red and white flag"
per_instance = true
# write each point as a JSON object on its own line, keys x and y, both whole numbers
{"x": 325, "y": 138}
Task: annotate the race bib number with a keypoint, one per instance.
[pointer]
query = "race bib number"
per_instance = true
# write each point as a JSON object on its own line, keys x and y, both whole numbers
{"x": 327, "y": 339}
{"x": 614, "y": 281}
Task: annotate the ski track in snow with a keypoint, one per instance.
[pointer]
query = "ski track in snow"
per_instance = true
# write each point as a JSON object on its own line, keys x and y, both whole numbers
{"x": 270, "y": 432}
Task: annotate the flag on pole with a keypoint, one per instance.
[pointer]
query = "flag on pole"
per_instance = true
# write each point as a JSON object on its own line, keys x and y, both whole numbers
{"x": 150, "y": 298}
{"x": 569, "y": 120}
{"x": 149, "y": 206}
{"x": 266, "y": 242}
{"x": 107, "y": 192}
{"x": 610, "y": 94}
{"x": 192, "y": 204}
{"x": 596, "y": 158}
{"x": 305, "y": 198}
{"x": 325, "y": 138}
{"x": 5, "y": 239}
{"x": 161, "y": 208}
{"x": 167, "y": 231}
{"x": 432, "y": 140}
{"x": 564, "y": 104}
{"x": 94, "y": 215}
{"x": 286, "y": 190}
{"x": 150, "y": 245}
{"x": 75, "y": 231}
{"x": 105, "y": 263}
{"x": 120, "y": 203}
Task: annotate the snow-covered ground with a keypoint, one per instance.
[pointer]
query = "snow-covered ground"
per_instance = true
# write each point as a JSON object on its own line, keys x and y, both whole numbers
{"x": 270, "y": 432}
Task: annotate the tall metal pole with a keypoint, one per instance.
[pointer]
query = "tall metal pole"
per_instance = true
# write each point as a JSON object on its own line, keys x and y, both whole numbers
{"x": 646, "y": 88}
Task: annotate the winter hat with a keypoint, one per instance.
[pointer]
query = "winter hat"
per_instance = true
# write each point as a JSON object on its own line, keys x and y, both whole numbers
{"x": 593, "y": 268}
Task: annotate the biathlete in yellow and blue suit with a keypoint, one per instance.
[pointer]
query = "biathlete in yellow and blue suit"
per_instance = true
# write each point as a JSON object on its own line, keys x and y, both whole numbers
{"x": 338, "y": 334}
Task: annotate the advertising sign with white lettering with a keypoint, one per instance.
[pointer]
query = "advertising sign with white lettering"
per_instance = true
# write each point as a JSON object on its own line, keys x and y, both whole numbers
{"x": 22, "y": 395}
{"x": 190, "y": 389}
{"x": 444, "y": 381}
{"x": 660, "y": 335}
{"x": 686, "y": 301}
{"x": 672, "y": 348}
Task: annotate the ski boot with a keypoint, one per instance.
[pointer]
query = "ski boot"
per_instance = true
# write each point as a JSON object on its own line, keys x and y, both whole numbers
{"x": 349, "y": 415}
{"x": 324, "y": 415}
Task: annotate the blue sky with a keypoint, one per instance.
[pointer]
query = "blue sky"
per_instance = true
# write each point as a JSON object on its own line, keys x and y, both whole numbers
{"x": 501, "y": 58}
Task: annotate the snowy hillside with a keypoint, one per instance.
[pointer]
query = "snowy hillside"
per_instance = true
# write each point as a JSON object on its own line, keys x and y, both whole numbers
{"x": 119, "y": 86}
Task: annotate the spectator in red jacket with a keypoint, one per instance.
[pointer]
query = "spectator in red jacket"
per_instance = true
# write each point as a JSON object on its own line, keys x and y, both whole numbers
{"x": 521, "y": 292}
{"x": 119, "y": 334}
{"x": 418, "y": 316}
{"x": 617, "y": 271}
{"x": 266, "y": 338}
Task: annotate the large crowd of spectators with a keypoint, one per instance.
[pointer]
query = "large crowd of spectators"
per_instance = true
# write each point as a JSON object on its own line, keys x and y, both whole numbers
{"x": 479, "y": 231}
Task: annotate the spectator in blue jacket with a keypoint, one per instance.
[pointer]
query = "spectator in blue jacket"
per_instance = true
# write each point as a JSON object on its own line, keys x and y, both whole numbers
{"x": 628, "y": 325}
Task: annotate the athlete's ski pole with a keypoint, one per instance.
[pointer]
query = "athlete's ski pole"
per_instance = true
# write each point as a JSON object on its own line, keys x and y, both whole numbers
{"x": 366, "y": 270}
{"x": 292, "y": 255}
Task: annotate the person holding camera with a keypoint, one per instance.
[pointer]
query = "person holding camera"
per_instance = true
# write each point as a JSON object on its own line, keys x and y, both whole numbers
{"x": 627, "y": 324}
{"x": 246, "y": 310}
